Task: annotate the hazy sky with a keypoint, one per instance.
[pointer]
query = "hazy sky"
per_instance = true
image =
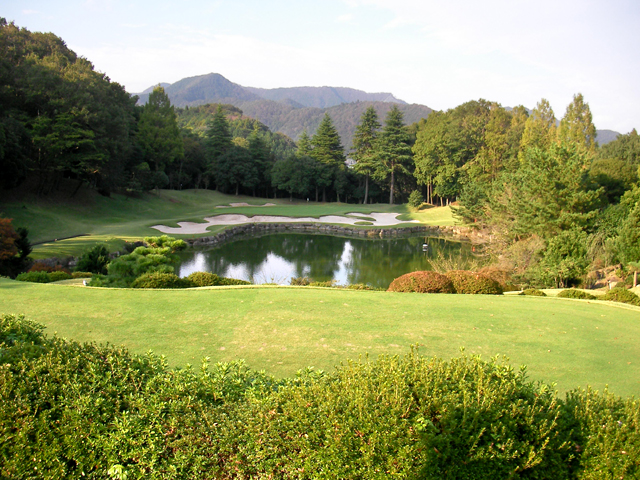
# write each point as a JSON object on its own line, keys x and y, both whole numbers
{"x": 437, "y": 53}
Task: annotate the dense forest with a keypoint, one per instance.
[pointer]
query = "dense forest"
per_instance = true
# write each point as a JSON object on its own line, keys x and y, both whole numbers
{"x": 555, "y": 202}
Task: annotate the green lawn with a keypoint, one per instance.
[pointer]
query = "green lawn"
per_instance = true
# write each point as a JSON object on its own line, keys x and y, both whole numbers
{"x": 119, "y": 218}
{"x": 573, "y": 343}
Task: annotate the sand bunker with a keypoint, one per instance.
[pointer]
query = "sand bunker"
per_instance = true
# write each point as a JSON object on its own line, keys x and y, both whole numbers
{"x": 244, "y": 204}
{"x": 191, "y": 228}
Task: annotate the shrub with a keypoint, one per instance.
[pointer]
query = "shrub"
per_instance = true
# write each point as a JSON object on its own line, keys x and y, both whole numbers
{"x": 573, "y": 293}
{"x": 57, "y": 276}
{"x": 95, "y": 260}
{"x": 43, "y": 267}
{"x": 325, "y": 284}
{"x": 503, "y": 277}
{"x": 233, "y": 281}
{"x": 160, "y": 280}
{"x": 422, "y": 282}
{"x": 37, "y": 277}
{"x": 473, "y": 283}
{"x": 534, "y": 292}
{"x": 81, "y": 275}
{"x": 622, "y": 295}
{"x": 204, "y": 279}
{"x": 207, "y": 279}
{"x": 300, "y": 281}
{"x": 415, "y": 199}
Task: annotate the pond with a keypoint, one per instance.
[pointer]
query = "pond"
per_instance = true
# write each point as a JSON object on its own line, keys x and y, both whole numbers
{"x": 276, "y": 258}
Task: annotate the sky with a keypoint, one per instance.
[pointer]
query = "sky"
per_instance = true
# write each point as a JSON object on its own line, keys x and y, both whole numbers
{"x": 438, "y": 53}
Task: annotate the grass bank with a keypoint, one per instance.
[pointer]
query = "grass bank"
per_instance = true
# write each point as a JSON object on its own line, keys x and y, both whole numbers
{"x": 118, "y": 218}
{"x": 572, "y": 343}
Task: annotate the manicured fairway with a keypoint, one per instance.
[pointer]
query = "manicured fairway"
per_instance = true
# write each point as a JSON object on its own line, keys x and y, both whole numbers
{"x": 573, "y": 343}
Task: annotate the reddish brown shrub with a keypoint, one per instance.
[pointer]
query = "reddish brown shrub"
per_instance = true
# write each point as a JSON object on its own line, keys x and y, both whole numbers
{"x": 43, "y": 267}
{"x": 422, "y": 282}
{"x": 473, "y": 283}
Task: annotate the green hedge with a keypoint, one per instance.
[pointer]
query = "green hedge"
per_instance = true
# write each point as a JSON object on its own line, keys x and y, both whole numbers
{"x": 534, "y": 292}
{"x": 573, "y": 293}
{"x": 620, "y": 294}
{"x": 72, "y": 410}
{"x": 422, "y": 282}
{"x": 160, "y": 280}
{"x": 472, "y": 283}
{"x": 207, "y": 279}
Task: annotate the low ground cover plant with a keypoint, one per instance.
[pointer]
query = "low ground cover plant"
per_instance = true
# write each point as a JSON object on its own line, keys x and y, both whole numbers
{"x": 82, "y": 410}
{"x": 620, "y": 294}
{"x": 422, "y": 282}
{"x": 573, "y": 293}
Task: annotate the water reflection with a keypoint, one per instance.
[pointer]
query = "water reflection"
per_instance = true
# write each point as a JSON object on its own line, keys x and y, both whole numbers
{"x": 279, "y": 257}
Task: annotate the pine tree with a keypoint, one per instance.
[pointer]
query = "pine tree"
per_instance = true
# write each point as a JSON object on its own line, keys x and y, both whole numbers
{"x": 539, "y": 129}
{"x": 219, "y": 140}
{"x": 577, "y": 125}
{"x": 158, "y": 131}
{"x": 327, "y": 149}
{"x": 392, "y": 150}
{"x": 364, "y": 141}
{"x": 304, "y": 144}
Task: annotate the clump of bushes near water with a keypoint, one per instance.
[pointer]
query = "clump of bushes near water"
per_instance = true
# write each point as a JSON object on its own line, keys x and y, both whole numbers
{"x": 90, "y": 411}
{"x": 422, "y": 282}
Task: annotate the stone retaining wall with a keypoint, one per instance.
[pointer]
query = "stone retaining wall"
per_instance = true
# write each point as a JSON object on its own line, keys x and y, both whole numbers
{"x": 249, "y": 229}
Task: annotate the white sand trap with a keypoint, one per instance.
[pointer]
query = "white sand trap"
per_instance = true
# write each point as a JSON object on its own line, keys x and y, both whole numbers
{"x": 244, "y": 204}
{"x": 191, "y": 228}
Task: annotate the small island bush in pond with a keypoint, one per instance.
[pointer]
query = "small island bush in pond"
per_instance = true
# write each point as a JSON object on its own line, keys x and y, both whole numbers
{"x": 573, "y": 293}
{"x": 472, "y": 283}
{"x": 534, "y": 292}
{"x": 422, "y": 282}
{"x": 160, "y": 280}
{"x": 620, "y": 294}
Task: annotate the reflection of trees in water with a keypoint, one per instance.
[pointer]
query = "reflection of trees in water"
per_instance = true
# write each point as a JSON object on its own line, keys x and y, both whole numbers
{"x": 374, "y": 261}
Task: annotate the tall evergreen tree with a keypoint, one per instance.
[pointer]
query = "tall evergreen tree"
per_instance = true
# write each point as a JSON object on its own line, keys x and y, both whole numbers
{"x": 158, "y": 132}
{"x": 364, "y": 142}
{"x": 393, "y": 150}
{"x": 219, "y": 140}
{"x": 304, "y": 144}
{"x": 327, "y": 149}
{"x": 539, "y": 129}
{"x": 577, "y": 125}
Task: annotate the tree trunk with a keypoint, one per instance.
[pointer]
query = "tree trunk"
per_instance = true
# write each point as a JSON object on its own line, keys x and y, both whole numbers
{"x": 324, "y": 194}
{"x": 635, "y": 279}
{"x": 237, "y": 189}
{"x": 366, "y": 188}
{"x": 391, "y": 189}
{"x": 316, "y": 194}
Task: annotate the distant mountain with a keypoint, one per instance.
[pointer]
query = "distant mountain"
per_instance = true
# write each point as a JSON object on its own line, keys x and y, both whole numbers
{"x": 210, "y": 88}
{"x": 605, "y": 136}
{"x": 346, "y": 116}
{"x": 289, "y": 110}
{"x": 322, "y": 97}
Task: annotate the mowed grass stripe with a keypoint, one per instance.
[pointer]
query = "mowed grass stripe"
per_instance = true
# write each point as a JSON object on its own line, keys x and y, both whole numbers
{"x": 281, "y": 330}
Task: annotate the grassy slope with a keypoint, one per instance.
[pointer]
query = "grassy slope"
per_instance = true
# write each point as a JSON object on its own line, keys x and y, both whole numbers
{"x": 573, "y": 343}
{"x": 120, "y": 218}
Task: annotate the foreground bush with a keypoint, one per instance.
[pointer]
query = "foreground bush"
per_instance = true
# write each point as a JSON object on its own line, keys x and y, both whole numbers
{"x": 422, "y": 282}
{"x": 94, "y": 260}
{"x": 573, "y": 293}
{"x": 80, "y": 411}
{"x": 160, "y": 280}
{"x": 620, "y": 294}
{"x": 207, "y": 279}
{"x": 471, "y": 283}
